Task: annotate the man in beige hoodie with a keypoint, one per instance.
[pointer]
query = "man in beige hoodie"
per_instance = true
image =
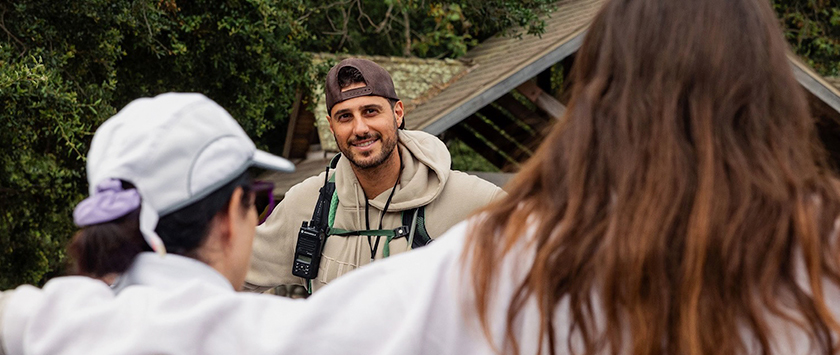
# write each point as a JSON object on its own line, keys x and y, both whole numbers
{"x": 383, "y": 174}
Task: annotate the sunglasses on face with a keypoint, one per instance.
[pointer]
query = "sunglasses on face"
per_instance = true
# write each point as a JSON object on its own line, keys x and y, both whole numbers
{"x": 263, "y": 199}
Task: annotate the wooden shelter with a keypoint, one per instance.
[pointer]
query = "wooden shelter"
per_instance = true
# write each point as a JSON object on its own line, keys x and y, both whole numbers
{"x": 499, "y": 98}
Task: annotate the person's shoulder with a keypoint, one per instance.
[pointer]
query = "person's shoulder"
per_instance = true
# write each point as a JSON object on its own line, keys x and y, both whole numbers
{"x": 462, "y": 195}
{"x": 460, "y": 177}
{"x": 60, "y": 294}
{"x": 475, "y": 186}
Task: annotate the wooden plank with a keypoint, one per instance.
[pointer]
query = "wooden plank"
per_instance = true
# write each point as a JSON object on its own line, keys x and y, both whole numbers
{"x": 536, "y": 120}
{"x": 479, "y": 146}
{"x": 496, "y": 138}
{"x": 290, "y": 129}
{"x": 502, "y": 120}
{"x": 522, "y": 136}
{"x": 491, "y": 134}
{"x": 543, "y": 100}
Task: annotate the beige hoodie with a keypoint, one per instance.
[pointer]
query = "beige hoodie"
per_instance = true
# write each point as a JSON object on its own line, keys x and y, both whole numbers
{"x": 426, "y": 180}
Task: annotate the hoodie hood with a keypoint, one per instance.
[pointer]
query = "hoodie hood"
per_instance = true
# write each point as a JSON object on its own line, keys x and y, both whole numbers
{"x": 426, "y": 163}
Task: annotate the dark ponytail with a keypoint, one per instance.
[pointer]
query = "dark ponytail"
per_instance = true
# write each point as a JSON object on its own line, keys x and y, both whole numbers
{"x": 109, "y": 248}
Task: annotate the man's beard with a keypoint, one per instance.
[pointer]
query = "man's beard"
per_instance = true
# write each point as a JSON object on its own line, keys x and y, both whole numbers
{"x": 388, "y": 147}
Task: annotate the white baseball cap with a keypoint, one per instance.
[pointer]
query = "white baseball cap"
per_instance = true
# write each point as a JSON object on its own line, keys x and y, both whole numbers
{"x": 175, "y": 148}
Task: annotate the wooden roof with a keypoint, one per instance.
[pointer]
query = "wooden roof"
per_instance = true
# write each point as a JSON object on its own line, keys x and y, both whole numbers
{"x": 500, "y": 64}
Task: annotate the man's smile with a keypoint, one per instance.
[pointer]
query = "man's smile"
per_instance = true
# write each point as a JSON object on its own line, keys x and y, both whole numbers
{"x": 364, "y": 143}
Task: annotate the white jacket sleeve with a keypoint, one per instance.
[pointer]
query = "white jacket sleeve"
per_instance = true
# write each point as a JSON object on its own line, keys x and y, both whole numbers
{"x": 406, "y": 304}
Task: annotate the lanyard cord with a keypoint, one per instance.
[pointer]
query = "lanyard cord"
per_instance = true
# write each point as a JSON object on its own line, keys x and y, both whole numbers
{"x": 374, "y": 247}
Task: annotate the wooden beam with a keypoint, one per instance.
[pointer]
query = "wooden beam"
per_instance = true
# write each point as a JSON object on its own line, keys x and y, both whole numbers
{"x": 536, "y": 120}
{"x": 502, "y": 120}
{"x": 523, "y": 137}
{"x": 479, "y": 146}
{"x": 290, "y": 129}
{"x": 543, "y": 100}
{"x": 490, "y": 134}
{"x": 496, "y": 138}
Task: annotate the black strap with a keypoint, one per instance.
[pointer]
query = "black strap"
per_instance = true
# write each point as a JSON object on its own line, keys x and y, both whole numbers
{"x": 320, "y": 216}
{"x": 321, "y": 213}
{"x": 421, "y": 235}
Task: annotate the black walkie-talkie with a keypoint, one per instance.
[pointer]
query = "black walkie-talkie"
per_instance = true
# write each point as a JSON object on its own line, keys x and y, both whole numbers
{"x": 308, "y": 251}
{"x": 313, "y": 234}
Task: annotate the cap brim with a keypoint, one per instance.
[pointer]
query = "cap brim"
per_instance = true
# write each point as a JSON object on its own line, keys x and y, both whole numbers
{"x": 272, "y": 162}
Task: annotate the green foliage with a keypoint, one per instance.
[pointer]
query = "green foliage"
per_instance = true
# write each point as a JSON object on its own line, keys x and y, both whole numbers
{"x": 243, "y": 54}
{"x": 43, "y": 134}
{"x": 813, "y": 29}
{"x": 418, "y": 27}
{"x": 66, "y": 66}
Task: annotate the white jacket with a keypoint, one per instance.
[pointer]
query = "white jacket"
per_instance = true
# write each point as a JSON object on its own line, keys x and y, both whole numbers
{"x": 407, "y": 304}
{"x": 414, "y": 303}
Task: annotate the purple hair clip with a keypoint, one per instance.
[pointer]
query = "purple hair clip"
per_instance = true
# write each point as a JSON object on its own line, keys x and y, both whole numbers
{"x": 109, "y": 202}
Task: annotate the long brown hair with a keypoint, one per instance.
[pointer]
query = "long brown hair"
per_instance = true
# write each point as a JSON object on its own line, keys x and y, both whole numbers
{"x": 684, "y": 188}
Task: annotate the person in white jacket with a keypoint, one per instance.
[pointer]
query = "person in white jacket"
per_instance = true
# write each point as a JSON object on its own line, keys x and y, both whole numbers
{"x": 679, "y": 208}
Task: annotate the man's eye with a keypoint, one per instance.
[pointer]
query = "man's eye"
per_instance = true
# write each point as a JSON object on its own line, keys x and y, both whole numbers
{"x": 370, "y": 111}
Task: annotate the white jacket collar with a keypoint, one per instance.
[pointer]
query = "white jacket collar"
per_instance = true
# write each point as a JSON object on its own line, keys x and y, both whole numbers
{"x": 169, "y": 272}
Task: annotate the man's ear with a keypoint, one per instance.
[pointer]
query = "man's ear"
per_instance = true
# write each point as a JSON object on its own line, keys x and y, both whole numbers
{"x": 399, "y": 112}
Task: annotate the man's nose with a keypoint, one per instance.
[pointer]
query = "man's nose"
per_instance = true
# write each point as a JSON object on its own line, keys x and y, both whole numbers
{"x": 360, "y": 126}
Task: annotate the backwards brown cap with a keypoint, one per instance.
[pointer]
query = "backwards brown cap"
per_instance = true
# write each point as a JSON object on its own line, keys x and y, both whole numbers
{"x": 377, "y": 82}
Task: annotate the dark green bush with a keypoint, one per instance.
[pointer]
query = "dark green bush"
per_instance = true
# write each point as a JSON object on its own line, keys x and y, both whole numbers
{"x": 66, "y": 66}
{"x": 43, "y": 133}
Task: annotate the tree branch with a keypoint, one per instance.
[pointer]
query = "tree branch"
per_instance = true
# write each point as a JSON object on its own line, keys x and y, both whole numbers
{"x": 407, "y": 33}
{"x": 344, "y": 31}
{"x": 9, "y": 33}
{"x": 376, "y": 28}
